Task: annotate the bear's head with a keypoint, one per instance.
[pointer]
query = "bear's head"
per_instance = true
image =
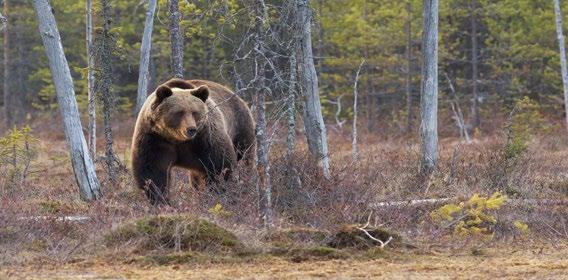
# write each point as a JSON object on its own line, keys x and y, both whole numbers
{"x": 179, "y": 112}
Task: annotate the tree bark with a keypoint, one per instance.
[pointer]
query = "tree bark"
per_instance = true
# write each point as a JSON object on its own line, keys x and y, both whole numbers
{"x": 429, "y": 88}
{"x": 354, "y": 153}
{"x": 105, "y": 49}
{"x": 3, "y": 22}
{"x": 92, "y": 128}
{"x": 176, "y": 39}
{"x": 474, "y": 66}
{"x": 409, "y": 111}
{"x": 145, "y": 49}
{"x": 6, "y": 50}
{"x": 313, "y": 119}
{"x": 562, "y": 48}
{"x": 291, "y": 112}
{"x": 263, "y": 164}
{"x": 83, "y": 167}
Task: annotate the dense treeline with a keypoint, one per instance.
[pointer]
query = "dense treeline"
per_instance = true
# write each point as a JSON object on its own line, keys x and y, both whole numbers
{"x": 497, "y": 51}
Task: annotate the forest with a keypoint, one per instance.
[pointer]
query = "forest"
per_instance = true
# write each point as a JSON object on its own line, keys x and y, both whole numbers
{"x": 416, "y": 139}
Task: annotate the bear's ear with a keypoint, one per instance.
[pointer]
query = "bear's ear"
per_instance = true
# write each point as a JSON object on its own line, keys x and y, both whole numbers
{"x": 179, "y": 83}
{"x": 201, "y": 92}
{"x": 162, "y": 93}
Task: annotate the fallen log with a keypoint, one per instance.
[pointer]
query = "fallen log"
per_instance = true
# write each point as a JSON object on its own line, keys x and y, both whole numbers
{"x": 440, "y": 201}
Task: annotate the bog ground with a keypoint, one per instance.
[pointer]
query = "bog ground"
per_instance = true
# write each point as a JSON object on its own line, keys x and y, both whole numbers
{"x": 122, "y": 236}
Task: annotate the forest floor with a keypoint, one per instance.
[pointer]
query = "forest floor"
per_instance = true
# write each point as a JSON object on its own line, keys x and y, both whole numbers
{"x": 523, "y": 261}
{"x": 36, "y": 242}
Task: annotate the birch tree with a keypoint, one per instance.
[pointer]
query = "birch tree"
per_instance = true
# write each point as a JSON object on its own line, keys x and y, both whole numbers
{"x": 263, "y": 164}
{"x": 313, "y": 119}
{"x": 429, "y": 88}
{"x": 145, "y": 48}
{"x": 562, "y": 48}
{"x": 82, "y": 163}
{"x": 92, "y": 128}
{"x": 176, "y": 39}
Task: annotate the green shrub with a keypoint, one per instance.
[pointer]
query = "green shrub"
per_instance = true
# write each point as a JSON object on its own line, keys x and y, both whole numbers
{"x": 17, "y": 150}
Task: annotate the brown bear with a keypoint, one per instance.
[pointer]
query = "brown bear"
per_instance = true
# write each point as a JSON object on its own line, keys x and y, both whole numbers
{"x": 198, "y": 125}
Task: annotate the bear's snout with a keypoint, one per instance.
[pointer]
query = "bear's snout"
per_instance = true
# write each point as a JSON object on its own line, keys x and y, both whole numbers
{"x": 191, "y": 131}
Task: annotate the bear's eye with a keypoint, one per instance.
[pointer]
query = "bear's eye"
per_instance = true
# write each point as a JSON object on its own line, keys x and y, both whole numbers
{"x": 178, "y": 115}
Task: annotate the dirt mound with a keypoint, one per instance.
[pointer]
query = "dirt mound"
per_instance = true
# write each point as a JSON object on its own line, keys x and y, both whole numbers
{"x": 178, "y": 232}
{"x": 296, "y": 235}
{"x": 351, "y": 236}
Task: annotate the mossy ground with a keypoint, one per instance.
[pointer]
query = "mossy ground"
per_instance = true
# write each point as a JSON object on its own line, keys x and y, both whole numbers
{"x": 177, "y": 232}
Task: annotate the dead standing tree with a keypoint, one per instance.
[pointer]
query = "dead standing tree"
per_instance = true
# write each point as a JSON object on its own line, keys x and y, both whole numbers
{"x": 261, "y": 68}
{"x": 81, "y": 161}
{"x": 145, "y": 49}
{"x": 429, "y": 89}
{"x": 263, "y": 164}
{"x": 313, "y": 119}
{"x": 105, "y": 45}
{"x": 92, "y": 128}
{"x": 354, "y": 153}
{"x": 562, "y": 49}
{"x": 176, "y": 39}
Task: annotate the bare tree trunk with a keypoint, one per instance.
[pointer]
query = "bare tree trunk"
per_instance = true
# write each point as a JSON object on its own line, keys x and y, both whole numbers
{"x": 429, "y": 89}
{"x": 176, "y": 39}
{"x": 3, "y": 22}
{"x": 456, "y": 108}
{"x": 105, "y": 48}
{"x": 409, "y": 111}
{"x": 263, "y": 164}
{"x": 474, "y": 66}
{"x": 562, "y": 47}
{"x": 313, "y": 119}
{"x": 354, "y": 153}
{"x": 7, "y": 97}
{"x": 90, "y": 81}
{"x": 83, "y": 167}
{"x": 291, "y": 112}
{"x": 145, "y": 49}
{"x": 294, "y": 181}
{"x": 152, "y": 79}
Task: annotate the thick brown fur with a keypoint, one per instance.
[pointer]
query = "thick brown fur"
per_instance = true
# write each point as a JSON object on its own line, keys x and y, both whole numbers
{"x": 198, "y": 125}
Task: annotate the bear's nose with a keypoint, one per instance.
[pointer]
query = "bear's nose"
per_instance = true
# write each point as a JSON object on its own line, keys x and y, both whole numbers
{"x": 191, "y": 131}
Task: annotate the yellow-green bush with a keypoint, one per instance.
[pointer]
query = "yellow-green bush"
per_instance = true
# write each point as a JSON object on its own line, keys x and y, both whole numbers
{"x": 471, "y": 217}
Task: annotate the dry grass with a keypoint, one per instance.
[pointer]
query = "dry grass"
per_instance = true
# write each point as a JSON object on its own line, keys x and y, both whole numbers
{"x": 386, "y": 171}
{"x": 543, "y": 262}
